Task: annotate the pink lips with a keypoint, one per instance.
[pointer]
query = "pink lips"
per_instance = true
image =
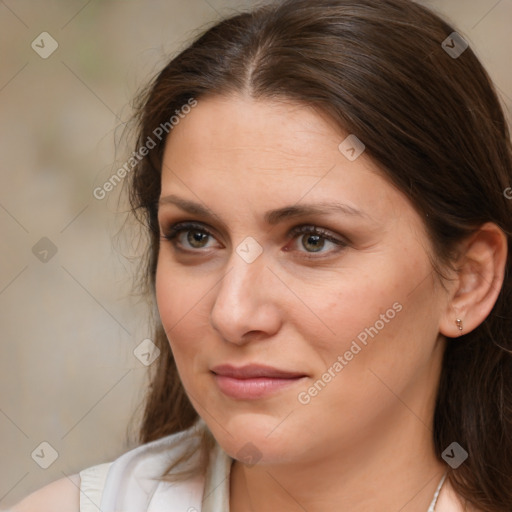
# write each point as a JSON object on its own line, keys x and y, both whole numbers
{"x": 252, "y": 381}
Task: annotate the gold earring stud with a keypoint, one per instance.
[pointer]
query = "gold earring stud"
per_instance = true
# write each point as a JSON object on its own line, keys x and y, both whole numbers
{"x": 459, "y": 323}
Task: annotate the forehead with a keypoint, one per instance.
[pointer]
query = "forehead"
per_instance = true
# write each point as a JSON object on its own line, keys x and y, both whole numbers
{"x": 241, "y": 151}
{"x": 265, "y": 131}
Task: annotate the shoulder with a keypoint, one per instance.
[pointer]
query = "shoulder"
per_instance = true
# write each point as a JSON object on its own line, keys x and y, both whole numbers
{"x": 81, "y": 492}
{"x": 100, "y": 486}
{"x": 59, "y": 496}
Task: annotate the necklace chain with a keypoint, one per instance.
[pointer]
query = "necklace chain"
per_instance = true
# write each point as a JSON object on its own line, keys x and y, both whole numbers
{"x": 436, "y": 494}
{"x": 431, "y": 508}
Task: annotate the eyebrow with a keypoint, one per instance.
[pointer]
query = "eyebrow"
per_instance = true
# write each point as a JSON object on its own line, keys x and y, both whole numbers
{"x": 272, "y": 217}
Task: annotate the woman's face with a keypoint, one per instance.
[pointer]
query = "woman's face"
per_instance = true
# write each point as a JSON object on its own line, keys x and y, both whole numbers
{"x": 346, "y": 321}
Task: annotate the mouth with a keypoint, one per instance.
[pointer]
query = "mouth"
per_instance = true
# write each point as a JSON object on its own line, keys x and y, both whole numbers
{"x": 252, "y": 382}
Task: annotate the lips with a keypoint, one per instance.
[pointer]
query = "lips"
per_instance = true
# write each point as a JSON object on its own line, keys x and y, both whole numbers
{"x": 253, "y": 381}
{"x": 254, "y": 371}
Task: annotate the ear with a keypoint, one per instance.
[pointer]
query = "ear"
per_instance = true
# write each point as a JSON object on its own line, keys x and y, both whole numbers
{"x": 480, "y": 274}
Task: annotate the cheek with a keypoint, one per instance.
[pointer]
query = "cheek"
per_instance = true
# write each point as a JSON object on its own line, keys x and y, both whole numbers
{"x": 352, "y": 302}
{"x": 182, "y": 305}
{"x": 378, "y": 319}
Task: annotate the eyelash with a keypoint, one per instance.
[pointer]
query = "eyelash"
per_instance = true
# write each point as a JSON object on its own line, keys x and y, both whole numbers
{"x": 173, "y": 231}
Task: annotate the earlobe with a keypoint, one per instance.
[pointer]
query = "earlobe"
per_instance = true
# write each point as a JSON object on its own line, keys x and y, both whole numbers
{"x": 481, "y": 269}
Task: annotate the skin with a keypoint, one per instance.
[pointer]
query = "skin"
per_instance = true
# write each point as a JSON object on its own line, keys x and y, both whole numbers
{"x": 364, "y": 442}
{"x": 370, "y": 427}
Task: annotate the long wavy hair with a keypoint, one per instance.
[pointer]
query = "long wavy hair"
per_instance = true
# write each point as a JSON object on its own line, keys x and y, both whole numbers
{"x": 432, "y": 122}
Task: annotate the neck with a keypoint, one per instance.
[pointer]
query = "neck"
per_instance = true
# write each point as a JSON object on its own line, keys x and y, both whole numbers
{"x": 394, "y": 469}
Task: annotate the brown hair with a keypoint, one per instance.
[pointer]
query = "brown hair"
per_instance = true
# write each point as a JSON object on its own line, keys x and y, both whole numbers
{"x": 434, "y": 125}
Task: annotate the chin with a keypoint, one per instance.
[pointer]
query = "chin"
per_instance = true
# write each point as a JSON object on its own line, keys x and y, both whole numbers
{"x": 254, "y": 438}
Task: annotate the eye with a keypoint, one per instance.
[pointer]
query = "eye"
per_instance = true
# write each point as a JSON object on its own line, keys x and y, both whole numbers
{"x": 315, "y": 239}
{"x": 191, "y": 236}
{"x": 188, "y": 236}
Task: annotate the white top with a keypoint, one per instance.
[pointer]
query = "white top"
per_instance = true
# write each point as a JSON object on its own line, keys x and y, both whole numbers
{"x": 128, "y": 483}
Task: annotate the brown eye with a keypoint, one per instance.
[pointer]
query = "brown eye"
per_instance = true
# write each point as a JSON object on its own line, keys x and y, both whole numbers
{"x": 188, "y": 236}
{"x": 313, "y": 243}
{"x": 197, "y": 238}
{"x": 315, "y": 239}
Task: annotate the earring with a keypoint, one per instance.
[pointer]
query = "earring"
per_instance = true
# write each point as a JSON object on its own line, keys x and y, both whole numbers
{"x": 458, "y": 321}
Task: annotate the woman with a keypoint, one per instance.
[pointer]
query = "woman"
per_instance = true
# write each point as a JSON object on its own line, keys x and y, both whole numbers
{"x": 325, "y": 185}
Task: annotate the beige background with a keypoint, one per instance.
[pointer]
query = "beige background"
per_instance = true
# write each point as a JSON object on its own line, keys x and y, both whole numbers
{"x": 68, "y": 375}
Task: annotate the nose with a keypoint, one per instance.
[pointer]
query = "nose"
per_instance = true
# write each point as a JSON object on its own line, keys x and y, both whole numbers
{"x": 246, "y": 306}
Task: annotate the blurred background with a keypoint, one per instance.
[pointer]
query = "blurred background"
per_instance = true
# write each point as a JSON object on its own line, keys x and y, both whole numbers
{"x": 73, "y": 369}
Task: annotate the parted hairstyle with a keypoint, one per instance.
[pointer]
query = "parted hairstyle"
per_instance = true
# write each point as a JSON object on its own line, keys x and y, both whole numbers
{"x": 434, "y": 125}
